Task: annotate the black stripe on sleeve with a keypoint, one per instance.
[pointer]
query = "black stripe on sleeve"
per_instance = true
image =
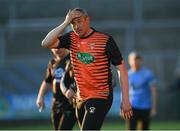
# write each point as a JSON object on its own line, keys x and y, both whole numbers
{"x": 64, "y": 41}
{"x": 113, "y": 52}
{"x": 48, "y": 77}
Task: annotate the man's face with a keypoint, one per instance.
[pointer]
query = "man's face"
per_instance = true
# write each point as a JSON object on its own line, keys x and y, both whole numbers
{"x": 134, "y": 62}
{"x": 80, "y": 25}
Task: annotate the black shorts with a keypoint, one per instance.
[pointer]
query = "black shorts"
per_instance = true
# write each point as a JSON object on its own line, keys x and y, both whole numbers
{"x": 91, "y": 113}
{"x": 63, "y": 117}
{"x": 142, "y": 115}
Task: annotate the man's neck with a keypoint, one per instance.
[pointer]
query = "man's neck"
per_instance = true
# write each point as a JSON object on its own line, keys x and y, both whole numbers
{"x": 136, "y": 69}
{"x": 88, "y": 33}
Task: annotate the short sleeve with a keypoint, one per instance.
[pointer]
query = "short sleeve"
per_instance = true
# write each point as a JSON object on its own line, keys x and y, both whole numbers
{"x": 48, "y": 77}
{"x": 64, "y": 41}
{"x": 113, "y": 52}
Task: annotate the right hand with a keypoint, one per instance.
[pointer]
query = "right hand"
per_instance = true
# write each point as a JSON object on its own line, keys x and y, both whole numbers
{"x": 71, "y": 15}
{"x": 126, "y": 110}
{"x": 153, "y": 112}
{"x": 40, "y": 102}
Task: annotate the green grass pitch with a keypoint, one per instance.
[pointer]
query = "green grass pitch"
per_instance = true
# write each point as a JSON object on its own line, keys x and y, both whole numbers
{"x": 108, "y": 125}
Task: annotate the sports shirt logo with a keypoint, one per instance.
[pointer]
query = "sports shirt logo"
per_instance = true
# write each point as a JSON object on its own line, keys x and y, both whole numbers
{"x": 58, "y": 74}
{"x": 86, "y": 58}
{"x": 92, "y": 110}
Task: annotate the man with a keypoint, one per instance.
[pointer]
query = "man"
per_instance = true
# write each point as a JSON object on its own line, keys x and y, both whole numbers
{"x": 142, "y": 92}
{"x": 63, "y": 114}
{"x": 91, "y": 54}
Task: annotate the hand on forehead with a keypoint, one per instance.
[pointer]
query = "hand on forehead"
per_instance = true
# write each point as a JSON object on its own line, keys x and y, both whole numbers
{"x": 76, "y": 12}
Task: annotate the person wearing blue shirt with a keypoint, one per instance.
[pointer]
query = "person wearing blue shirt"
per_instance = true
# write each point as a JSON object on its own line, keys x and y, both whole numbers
{"x": 142, "y": 85}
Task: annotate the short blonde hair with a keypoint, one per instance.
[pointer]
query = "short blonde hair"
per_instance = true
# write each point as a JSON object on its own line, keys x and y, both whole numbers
{"x": 83, "y": 11}
{"x": 135, "y": 54}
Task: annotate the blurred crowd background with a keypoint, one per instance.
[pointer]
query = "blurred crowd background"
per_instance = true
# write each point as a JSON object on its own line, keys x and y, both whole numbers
{"x": 151, "y": 27}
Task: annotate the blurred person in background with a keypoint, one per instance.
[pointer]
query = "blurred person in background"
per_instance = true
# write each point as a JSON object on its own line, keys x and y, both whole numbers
{"x": 142, "y": 86}
{"x": 91, "y": 54}
{"x": 176, "y": 83}
{"x": 175, "y": 88}
{"x": 63, "y": 113}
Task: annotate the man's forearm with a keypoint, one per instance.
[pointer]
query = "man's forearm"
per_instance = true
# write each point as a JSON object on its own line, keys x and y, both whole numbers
{"x": 51, "y": 38}
{"x": 154, "y": 97}
{"x": 44, "y": 88}
{"x": 122, "y": 72}
{"x": 126, "y": 111}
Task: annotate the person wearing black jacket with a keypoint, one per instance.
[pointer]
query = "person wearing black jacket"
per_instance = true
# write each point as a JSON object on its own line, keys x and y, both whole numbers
{"x": 63, "y": 113}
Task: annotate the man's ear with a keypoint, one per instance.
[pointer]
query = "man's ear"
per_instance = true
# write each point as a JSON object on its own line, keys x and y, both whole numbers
{"x": 89, "y": 18}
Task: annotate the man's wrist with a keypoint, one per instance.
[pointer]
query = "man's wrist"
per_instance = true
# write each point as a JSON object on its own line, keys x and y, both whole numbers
{"x": 40, "y": 97}
{"x": 65, "y": 91}
{"x": 125, "y": 98}
{"x": 66, "y": 23}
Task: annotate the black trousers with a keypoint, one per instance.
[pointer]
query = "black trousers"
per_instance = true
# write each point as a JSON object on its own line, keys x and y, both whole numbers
{"x": 63, "y": 119}
{"x": 91, "y": 113}
{"x": 142, "y": 115}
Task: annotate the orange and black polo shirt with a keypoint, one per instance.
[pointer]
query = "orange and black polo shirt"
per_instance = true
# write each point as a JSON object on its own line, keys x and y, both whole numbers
{"x": 91, "y": 57}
